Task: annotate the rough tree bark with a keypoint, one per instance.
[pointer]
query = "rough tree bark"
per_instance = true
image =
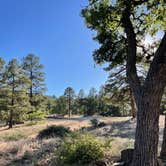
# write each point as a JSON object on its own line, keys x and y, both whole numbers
{"x": 147, "y": 96}
{"x": 133, "y": 105}
{"x": 163, "y": 148}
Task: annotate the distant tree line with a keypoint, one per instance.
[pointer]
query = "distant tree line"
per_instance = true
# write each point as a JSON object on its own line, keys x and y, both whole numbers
{"x": 88, "y": 104}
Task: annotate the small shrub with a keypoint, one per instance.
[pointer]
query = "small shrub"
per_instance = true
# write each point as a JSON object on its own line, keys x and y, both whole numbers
{"x": 96, "y": 123}
{"x": 37, "y": 115}
{"x": 101, "y": 124}
{"x": 81, "y": 149}
{"x": 54, "y": 131}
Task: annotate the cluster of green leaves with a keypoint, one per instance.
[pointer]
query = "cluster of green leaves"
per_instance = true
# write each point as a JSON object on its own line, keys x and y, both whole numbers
{"x": 105, "y": 17}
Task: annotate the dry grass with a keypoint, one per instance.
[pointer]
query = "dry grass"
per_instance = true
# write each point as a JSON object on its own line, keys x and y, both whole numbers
{"x": 19, "y": 145}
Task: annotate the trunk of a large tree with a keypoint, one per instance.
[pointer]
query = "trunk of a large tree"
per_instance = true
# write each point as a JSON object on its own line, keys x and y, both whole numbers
{"x": 163, "y": 148}
{"x": 147, "y": 129}
{"x": 133, "y": 106}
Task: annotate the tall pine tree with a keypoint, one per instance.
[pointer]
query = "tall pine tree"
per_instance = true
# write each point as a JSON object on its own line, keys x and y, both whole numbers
{"x": 33, "y": 70}
{"x": 69, "y": 95}
{"x": 16, "y": 98}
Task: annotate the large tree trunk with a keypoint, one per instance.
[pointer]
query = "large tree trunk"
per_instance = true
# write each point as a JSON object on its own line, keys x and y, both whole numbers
{"x": 147, "y": 96}
{"x": 163, "y": 148}
{"x": 147, "y": 130}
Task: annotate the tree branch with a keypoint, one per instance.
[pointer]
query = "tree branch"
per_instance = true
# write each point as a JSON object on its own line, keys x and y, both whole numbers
{"x": 133, "y": 78}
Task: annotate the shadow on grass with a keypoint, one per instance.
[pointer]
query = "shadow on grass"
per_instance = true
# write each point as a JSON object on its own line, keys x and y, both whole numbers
{"x": 121, "y": 129}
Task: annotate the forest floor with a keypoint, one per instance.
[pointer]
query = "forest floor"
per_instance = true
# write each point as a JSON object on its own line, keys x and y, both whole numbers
{"x": 19, "y": 146}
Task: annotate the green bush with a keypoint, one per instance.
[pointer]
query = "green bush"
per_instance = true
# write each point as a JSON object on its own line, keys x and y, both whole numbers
{"x": 54, "y": 131}
{"x": 36, "y": 115}
{"x": 81, "y": 149}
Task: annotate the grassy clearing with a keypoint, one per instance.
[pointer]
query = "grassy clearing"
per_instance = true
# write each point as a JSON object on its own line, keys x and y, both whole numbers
{"x": 19, "y": 145}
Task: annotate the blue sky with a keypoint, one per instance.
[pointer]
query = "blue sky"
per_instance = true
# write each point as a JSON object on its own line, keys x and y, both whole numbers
{"x": 54, "y": 31}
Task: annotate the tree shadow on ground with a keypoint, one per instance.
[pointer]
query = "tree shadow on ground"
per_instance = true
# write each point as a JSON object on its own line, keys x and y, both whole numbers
{"x": 122, "y": 129}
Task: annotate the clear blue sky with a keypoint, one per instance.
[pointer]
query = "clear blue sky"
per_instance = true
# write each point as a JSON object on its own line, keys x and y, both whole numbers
{"x": 53, "y": 30}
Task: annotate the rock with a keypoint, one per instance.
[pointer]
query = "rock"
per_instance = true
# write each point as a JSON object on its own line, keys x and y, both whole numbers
{"x": 127, "y": 155}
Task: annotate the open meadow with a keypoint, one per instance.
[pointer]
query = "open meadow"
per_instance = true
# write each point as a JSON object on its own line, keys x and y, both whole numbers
{"x": 20, "y": 147}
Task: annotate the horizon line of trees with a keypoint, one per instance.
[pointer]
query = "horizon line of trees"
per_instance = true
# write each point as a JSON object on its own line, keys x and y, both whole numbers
{"x": 83, "y": 104}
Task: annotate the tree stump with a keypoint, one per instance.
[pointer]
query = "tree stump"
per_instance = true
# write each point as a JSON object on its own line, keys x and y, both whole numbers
{"x": 127, "y": 156}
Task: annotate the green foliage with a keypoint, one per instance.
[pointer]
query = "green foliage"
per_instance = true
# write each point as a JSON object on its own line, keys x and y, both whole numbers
{"x": 87, "y": 105}
{"x": 105, "y": 17}
{"x": 81, "y": 94}
{"x": 33, "y": 70}
{"x": 16, "y": 98}
{"x": 92, "y": 93}
{"x": 51, "y": 104}
{"x": 90, "y": 104}
{"x": 61, "y": 106}
{"x": 69, "y": 94}
{"x": 113, "y": 111}
{"x": 82, "y": 149}
{"x": 36, "y": 115}
{"x": 54, "y": 131}
{"x": 15, "y": 82}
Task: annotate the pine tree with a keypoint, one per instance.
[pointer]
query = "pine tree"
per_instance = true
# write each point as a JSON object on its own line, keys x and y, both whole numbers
{"x": 69, "y": 94}
{"x": 118, "y": 88}
{"x": 3, "y": 91}
{"x": 92, "y": 92}
{"x": 33, "y": 70}
{"x": 16, "y": 99}
{"x": 121, "y": 26}
{"x": 81, "y": 94}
